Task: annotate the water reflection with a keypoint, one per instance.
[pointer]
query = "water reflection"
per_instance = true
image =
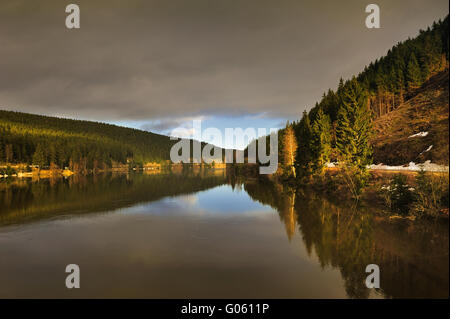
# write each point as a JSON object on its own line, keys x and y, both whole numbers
{"x": 413, "y": 257}
{"x": 25, "y": 200}
{"x": 205, "y": 234}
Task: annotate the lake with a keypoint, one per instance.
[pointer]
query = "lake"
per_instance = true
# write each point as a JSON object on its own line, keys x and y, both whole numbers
{"x": 207, "y": 235}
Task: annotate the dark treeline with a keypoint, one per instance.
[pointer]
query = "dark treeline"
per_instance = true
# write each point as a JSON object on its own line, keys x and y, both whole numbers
{"x": 80, "y": 145}
{"x": 339, "y": 127}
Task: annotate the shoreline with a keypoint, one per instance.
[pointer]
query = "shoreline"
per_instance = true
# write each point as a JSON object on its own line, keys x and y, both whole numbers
{"x": 57, "y": 173}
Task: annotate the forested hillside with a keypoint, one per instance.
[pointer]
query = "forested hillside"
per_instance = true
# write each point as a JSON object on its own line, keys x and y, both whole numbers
{"x": 392, "y": 79}
{"x": 341, "y": 126}
{"x": 80, "y": 145}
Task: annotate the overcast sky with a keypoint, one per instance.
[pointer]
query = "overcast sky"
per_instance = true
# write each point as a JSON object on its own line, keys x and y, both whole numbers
{"x": 156, "y": 64}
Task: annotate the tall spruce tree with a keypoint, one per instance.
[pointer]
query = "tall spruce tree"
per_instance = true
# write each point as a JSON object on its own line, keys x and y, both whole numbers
{"x": 321, "y": 141}
{"x": 400, "y": 85}
{"x": 353, "y": 132}
{"x": 304, "y": 155}
{"x": 354, "y": 127}
{"x": 413, "y": 73}
{"x": 40, "y": 156}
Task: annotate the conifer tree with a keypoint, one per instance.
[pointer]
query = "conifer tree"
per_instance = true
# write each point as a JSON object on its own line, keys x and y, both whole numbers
{"x": 40, "y": 157}
{"x": 353, "y": 132}
{"x": 413, "y": 73}
{"x": 354, "y": 127}
{"x": 400, "y": 85}
{"x": 9, "y": 154}
{"x": 321, "y": 141}
{"x": 304, "y": 155}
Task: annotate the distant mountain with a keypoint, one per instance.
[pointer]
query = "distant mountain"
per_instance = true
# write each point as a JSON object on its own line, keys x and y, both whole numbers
{"x": 80, "y": 145}
{"x": 43, "y": 140}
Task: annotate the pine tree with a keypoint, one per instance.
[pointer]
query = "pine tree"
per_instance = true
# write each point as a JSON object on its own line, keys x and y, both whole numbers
{"x": 40, "y": 157}
{"x": 9, "y": 154}
{"x": 353, "y": 137}
{"x": 53, "y": 158}
{"x": 289, "y": 150}
{"x": 400, "y": 85}
{"x": 321, "y": 141}
{"x": 304, "y": 145}
{"x": 413, "y": 73}
{"x": 354, "y": 127}
{"x": 2, "y": 156}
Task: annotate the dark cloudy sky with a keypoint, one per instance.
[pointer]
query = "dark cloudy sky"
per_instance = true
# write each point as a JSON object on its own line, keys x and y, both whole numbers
{"x": 159, "y": 63}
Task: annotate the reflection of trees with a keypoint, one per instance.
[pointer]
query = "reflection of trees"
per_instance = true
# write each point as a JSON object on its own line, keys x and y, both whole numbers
{"x": 413, "y": 258}
{"x": 341, "y": 237}
{"x": 416, "y": 255}
{"x": 281, "y": 198}
{"x": 289, "y": 215}
{"x": 23, "y": 200}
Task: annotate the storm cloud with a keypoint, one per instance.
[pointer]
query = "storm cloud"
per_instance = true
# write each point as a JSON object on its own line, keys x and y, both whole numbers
{"x": 163, "y": 61}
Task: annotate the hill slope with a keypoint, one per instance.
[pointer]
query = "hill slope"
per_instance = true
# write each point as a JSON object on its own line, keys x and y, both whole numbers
{"x": 43, "y": 140}
{"x": 396, "y": 142}
{"x": 406, "y": 93}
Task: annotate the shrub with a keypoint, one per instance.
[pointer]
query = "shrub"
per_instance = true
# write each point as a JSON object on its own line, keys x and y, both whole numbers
{"x": 399, "y": 196}
{"x": 355, "y": 179}
{"x": 432, "y": 194}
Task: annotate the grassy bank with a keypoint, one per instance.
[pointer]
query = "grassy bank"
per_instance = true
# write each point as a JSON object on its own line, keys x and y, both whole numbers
{"x": 405, "y": 194}
{"x": 396, "y": 194}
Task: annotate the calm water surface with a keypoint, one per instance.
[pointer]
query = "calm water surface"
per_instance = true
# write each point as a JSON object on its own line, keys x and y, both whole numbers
{"x": 206, "y": 236}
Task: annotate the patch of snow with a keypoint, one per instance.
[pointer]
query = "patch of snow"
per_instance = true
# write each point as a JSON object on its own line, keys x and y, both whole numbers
{"x": 332, "y": 164}
{"x": 427, "y": 166}
{"x": 420, "y": 134}
{"x": 427, "y": 150}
